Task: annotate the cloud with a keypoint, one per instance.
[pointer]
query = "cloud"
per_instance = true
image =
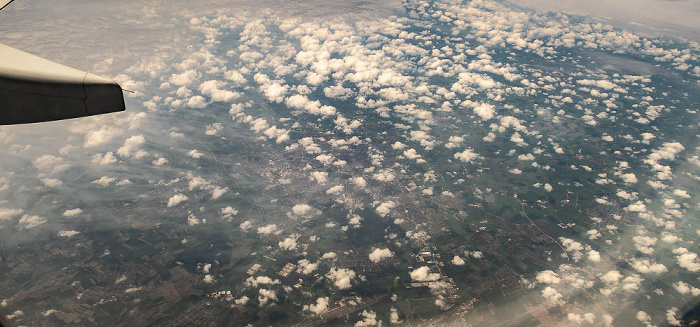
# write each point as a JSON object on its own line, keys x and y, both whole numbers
{"x": 553, "y": 297}
{"x": 687, "y": 259}
{"x": 369, "y": 318}
{"x": 72, "y": 212}
{"x": 30, "y": 221}
{"x": 319, "y": 307}
{"x": 384, "y": 208}
{"x": 359, "y": 181}
{"x": 341, "y": 277}
{"x": 265, "y": 296}
{"x": 644, "y": 244}
{"x": 228, "y": 212}
{"x": 132, "y": 147}
{"x": 335, "y": 189}
{"x": 49, "y": 162}
{"x": 104, "y": 159}
{"x": 209, "y": 279}
{"x": 184, "y": 78}
{"x": 9, "y": 213}
{"x": 160, "y": 161}
{"x": 303, "y": 209}
{"x": 458, "y": 261}
{"x": 104, "y": 181}
{"x": 288, "y": 244}
{"x": 423, "y": 274}
{"x": 380, "y": 254}
{"x": 268, "y": 229}
{"x": 213, "y": 89}
{"x": 468, "y": 155}
{"x": 67, "y": 233}
{"x": 51, "y": 182}
{"x": 485, "y": 111}
{"x": 594, "y": 256}
{"x": 646, "y": 266}
{"x": 195, "y": 154}
{"x": 261, "y": 280}
{"x": 548, "y": 277}
{"x": 176, "y": 199}
{"x": 307, "y": 267}
{"x": 684, "y": 288}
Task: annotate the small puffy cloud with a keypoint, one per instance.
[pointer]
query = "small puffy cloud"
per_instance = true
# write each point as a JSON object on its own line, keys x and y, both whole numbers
{"x": 380, "y": 254}
{"x": 30, "y": 221}
{"x": 644, "y": 318}
{"x": 104, "y": 181}
{"x": 67, "y": 233}
{"x": 72, "y": 212}
{"x": 611, "y": 277}
{"x": 646, "y": 266}
{"x": 548, "y": 277}
{"x": 594, "y": 256}
{"x": 243, "y": 300}
{"x": 681, "y": 193}
{"x": 197, "y": 102}
{"x": 384, "y": 208}
{"x": 184, "y": 78}
{"x": 307, "y": 267}
{"x": 51, "y": 182}
{"x": 268, "y": 229}
{"x": 369, "y": 318}
{"x": 261, "y": 280}
{"x": 265, "y": 296}
{"x": 329, "y": 255}
{"x": 228, "y": 212}
{"x": 468, "y": 155}
{"x": 644, "y": 244}
{"x": 217, "y": 191}
{"x": 629, "y": 178}
{"x": 208, "y": 279}
{"x": 335, "y": 189}
{"x": 359, "y": 181}
{"x": 687, "y": 259}
{"x": 213, "y": 89}
{"x": 423, "y": 274}
{"x": 160, "y": 161}
{"x": 303, "y": 209}
{"x": 274, "y": 92}
{"x": 9, "y": 213}
{"x": 176, "y": 199}
{"x": 321, "y": 177}
{"x": 319, "y": 307}
{"x": 195, "y": 154}
{"x": 245, "y": 225}
{"x": 485, "y": 111}
{"x": 104, "y": 159}
{"x": 131, "y": 147}
{"x": 684, "y": 288}
{"x": 638, "y": 206}
{"x": 552, "y": 296}
{"x": 288, "y": 244}
{"x": 341, "y": 277}
{"x": 458, "y": 261}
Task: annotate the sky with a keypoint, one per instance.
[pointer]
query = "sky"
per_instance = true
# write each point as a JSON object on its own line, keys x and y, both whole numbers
{"x": 657, "y": 17}
{"x": 91, "y": 35}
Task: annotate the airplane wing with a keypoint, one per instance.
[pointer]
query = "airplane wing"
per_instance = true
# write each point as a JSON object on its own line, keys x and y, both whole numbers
{"x": 34, "y": 89}
{"x": 4, "y": 3}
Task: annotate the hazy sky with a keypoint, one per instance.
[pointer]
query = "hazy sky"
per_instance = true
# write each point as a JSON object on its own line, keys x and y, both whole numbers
{"x": 666, "y": 17}
{"x": 83, "y": 33}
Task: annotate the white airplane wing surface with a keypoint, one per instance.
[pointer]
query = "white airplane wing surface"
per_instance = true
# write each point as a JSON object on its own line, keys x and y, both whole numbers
{"x": 34, "y": 89}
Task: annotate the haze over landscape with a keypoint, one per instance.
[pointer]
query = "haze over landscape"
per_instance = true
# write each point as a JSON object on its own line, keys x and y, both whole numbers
{"x": 361, "y": 163}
